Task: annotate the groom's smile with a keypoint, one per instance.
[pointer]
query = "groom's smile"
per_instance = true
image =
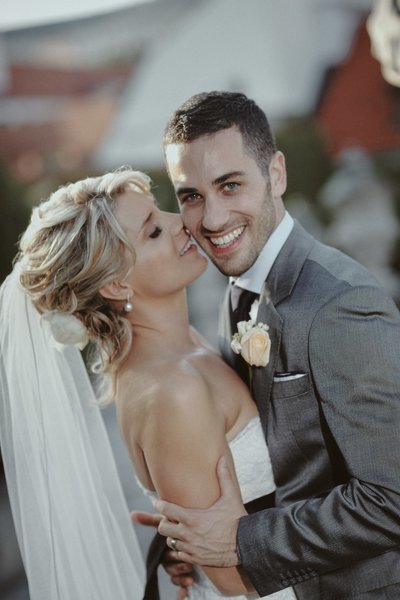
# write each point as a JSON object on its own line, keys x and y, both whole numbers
{"x": 228, "y": 239}
{"x": 226, "y": 201}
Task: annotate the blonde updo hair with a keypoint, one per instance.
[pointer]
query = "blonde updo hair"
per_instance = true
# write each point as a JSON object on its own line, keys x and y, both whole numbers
{"x": 74, "y": 246}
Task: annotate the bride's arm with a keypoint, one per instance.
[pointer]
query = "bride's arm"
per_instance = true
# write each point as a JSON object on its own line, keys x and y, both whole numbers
{"x": 183, "y": 438}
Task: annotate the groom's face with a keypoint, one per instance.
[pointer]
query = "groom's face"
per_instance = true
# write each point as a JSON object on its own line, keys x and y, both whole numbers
{"x": 227, "y": 203}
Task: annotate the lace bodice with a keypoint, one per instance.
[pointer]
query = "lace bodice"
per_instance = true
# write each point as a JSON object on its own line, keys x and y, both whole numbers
{"x": 252, "y": 463}
{"x": 254, "y": 472}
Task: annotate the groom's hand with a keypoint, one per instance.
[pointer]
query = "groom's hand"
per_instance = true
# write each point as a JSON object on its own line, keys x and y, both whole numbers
{"x": 205, "y": 536}
{"x": 181, "y": 573}
{"x": 146, "y": 518}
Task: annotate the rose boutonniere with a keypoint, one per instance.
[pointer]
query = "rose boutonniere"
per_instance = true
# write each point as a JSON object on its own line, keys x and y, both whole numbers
{"x": 252, "y": 341}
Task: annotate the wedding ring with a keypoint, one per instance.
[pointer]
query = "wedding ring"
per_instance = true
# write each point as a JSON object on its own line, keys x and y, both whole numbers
{"x": 173, "y": 544}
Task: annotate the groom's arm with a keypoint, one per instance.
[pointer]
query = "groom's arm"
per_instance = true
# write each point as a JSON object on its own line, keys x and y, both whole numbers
{"x": 206, "y": 536}
{"x": 354, "y": 357}
{"x": 354, "y": 346}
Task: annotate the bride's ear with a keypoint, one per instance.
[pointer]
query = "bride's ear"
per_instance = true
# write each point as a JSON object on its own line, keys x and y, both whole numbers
{"x": 116, "y": 291}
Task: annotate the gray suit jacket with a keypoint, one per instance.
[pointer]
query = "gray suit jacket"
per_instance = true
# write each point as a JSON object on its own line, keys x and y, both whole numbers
{"x": 333, "y": 433}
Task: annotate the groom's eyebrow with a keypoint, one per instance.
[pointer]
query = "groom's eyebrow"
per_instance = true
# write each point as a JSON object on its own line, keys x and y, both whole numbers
{"x": 226, "y": 176}
{"x": 185, "y": 190}
{"x": 221, "y": 179}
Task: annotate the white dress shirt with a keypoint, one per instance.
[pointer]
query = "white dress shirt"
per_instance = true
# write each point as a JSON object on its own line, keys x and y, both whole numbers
{"x": 253, "y": 279}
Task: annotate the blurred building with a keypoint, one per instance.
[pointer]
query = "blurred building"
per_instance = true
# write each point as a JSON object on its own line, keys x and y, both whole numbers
{"x": 155, "y": 55}
{"x": 357, "y": 107}
{"x": 61, "y": 85}
{"x": 359, "y": 114}
{"x": 276, "y": 52}
{"x": 52, "y": 120}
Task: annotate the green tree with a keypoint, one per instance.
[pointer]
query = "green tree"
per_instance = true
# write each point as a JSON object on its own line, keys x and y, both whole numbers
{"x": 308, "y": 162}
{"x": 15, "y": 213}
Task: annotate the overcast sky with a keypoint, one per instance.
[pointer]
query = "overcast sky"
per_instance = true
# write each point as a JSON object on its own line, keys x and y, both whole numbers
{"x": 22, "y": 13}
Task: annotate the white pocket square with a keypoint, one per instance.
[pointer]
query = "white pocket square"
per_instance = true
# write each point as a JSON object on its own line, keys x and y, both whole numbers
{"x": 287, "y": 376}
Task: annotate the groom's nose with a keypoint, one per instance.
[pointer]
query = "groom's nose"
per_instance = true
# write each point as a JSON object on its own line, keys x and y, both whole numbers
{"x": 215, "y": 213}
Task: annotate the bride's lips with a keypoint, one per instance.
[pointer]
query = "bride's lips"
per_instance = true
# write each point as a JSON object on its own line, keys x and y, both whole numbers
{"x": 189, "y": 244}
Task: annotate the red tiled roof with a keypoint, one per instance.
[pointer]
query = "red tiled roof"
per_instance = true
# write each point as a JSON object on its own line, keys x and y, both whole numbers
{"x": 26, "y": 80}
{"x": 358, "y": 107}
{"x": 82, "y": 114}
{"x": 15, "y": 141}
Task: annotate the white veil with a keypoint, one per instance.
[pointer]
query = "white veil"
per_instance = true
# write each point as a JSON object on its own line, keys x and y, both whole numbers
{"x": 71, "y": 519}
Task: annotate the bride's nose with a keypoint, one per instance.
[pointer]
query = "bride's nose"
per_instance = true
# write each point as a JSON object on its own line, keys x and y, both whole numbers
{"x": 175, "y": 223}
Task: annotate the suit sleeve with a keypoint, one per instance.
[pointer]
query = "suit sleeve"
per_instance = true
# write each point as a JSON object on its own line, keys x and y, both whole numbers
{"x": 354, "y": 355}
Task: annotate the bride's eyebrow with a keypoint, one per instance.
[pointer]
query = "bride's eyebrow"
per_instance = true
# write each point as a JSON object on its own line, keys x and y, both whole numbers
{"x": 146, "y": 220}
{"x": 150, "y": 215}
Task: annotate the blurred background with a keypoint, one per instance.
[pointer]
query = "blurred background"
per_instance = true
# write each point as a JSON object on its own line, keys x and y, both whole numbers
{"x": 87, "y": 88}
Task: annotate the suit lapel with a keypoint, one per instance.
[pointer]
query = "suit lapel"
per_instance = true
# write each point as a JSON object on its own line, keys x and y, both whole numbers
{"x": 262, "y": 377}
{"x": 278, "y": 286}
{"x": 286, "y": 268}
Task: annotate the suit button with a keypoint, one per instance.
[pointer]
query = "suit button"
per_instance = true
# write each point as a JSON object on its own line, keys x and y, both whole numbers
{"x": 285, "y": 582}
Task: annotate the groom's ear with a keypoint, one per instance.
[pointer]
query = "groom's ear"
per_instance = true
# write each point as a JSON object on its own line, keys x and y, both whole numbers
{"x": 116, "y": 291}
{"x": 277, "y": 173}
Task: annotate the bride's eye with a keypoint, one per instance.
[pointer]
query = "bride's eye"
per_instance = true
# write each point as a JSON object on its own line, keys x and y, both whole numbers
{"x": 156, "y": 232}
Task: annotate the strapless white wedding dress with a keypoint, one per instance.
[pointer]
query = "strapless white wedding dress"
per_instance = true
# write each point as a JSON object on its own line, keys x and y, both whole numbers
{"x": 254, "y": 472}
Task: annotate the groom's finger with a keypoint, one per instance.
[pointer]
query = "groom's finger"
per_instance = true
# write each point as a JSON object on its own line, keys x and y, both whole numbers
{"x": 182, "y": 581}
{"x": 183, "y": 593}
{"x": 172, "y": 512}
{"x": 182, "y": 556}
{"x": 173, "y": 567}
{"x": 171, "y": 529}
{"x": 145, "y": 518}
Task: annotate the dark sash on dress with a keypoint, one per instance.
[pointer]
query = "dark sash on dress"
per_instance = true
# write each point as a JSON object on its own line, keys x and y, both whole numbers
{"x": 159, "y": 545}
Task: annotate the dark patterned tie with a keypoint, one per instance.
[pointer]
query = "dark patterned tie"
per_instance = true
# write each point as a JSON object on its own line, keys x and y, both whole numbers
{"x": 241, "y": 313}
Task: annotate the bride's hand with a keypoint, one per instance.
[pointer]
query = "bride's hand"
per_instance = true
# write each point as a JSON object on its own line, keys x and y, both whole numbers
{"x": 205, "y": 536}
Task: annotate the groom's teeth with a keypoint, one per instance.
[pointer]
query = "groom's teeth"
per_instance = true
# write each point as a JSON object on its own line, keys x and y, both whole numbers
{"x": 227, "y": 239}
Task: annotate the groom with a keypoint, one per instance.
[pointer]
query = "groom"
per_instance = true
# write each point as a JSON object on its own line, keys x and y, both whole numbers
{"x": 329, "y": 397}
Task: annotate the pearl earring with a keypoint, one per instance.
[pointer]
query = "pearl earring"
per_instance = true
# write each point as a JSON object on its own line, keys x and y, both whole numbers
{"x": 128, "y": 306}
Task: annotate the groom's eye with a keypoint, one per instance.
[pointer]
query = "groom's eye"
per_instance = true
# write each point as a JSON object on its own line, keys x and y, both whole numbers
{"x": 231, "y": 185}
{"x": 189, "y": 198}
{"x": 156, "y": 232}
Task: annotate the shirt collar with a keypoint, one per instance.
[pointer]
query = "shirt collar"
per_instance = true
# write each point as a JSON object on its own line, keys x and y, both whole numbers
{"x": 254, "y": 278}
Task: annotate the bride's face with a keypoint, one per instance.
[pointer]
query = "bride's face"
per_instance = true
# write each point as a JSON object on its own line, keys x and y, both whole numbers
{"x": 165, "y": 257}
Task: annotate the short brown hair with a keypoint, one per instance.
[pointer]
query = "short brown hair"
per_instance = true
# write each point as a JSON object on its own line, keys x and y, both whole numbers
{"x": 210, "y": 112}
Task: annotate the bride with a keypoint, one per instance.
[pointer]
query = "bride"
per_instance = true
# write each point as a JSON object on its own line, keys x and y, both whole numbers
{"x": 101, "y": 262}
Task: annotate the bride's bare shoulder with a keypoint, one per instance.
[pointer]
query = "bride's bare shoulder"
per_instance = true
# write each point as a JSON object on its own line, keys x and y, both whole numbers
{"x": 165, "y": 385}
